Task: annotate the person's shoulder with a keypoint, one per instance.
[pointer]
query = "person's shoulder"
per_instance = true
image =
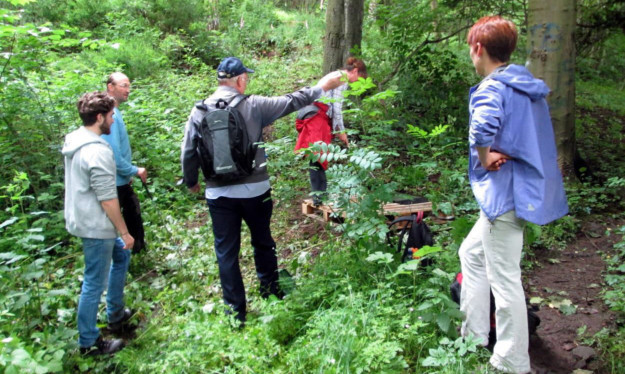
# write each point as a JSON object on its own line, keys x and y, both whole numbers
{"x": 98, "y": 148}
{"x": 490, "y": 87}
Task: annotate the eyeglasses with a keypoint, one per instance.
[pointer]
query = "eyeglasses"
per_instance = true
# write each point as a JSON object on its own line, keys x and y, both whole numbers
{"x": 123, "y": 85}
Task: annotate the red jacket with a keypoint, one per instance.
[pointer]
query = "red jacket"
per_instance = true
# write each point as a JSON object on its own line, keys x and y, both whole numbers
{"x": 314, "y": 129}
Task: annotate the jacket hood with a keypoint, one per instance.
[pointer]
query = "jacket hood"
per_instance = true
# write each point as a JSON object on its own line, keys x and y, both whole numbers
{"x": 519, "y": 78}
{"x": 78, "y": 139}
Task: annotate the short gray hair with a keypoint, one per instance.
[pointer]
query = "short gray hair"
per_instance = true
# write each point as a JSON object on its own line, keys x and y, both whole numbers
{"x": 228, "y": 81}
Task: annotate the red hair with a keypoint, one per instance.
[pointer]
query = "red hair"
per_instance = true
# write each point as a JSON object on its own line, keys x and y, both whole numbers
{"x": 353, "y": 62}
{"x": 497, "y": 35}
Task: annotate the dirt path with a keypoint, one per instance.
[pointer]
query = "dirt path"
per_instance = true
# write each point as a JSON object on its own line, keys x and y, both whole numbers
{"x": 563, "y": 342}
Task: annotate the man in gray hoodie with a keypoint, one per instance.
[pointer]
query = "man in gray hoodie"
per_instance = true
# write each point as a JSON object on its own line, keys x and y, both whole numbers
{"x": 92, "y": 213}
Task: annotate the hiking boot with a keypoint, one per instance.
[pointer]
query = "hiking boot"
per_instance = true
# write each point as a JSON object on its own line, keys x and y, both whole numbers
{"x": 271, "y": 289}
{"x": 121, "y": 325}
{"x": 103, "y": 347}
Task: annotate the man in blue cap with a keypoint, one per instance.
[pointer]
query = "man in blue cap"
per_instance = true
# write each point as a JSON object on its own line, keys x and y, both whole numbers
{"x": 249, "y": 198}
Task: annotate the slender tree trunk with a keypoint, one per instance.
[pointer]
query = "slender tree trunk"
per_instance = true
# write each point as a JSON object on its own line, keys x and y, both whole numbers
{"x": 354, "y": 12}
{"x": 334, "y": 42}
{"x": 551, "y": 30}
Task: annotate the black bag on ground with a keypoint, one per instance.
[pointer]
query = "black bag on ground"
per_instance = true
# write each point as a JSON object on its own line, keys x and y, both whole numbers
{"x": 419, "y": 235}
{"x": 533, "y": 321}
{"x": 226, "y": 151}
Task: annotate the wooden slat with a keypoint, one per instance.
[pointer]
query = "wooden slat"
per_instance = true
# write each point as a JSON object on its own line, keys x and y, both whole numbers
{"x": 405, "y": 209}
{"x": 311, "y": 210}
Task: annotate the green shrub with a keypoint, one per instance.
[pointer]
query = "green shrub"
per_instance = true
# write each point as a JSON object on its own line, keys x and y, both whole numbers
{"x": 138, "y": 57}
{"x": 84, "y": 14}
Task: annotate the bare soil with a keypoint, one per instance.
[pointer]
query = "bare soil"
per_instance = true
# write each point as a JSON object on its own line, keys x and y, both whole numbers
{"x": 575, "y": 274}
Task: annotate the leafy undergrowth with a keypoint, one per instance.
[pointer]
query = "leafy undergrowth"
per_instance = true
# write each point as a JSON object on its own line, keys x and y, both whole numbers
{"x": 354, "y": 308}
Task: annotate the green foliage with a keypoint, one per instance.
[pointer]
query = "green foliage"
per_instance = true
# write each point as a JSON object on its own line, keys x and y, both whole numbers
{"x": 354, "y": 308}
{"x": 616, "y": 276}
{"x": 138, "y": 57}
{"x": 367, "y": 113}
{"x": 450, "y": 355}
{"x": 265, "y": 29}
{"x": 84, "y": 14}
{"x": 552, "y": 236}
{"x": 171, "y": 16}
{"x": 438, "y": 306}
{"x": 600, "y": 64}
{"x": 612, "y": 351}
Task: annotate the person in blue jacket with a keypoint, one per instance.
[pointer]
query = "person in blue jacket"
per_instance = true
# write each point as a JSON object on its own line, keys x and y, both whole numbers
{"x": 515, "y": 178}
{"x": 118, "y": 86}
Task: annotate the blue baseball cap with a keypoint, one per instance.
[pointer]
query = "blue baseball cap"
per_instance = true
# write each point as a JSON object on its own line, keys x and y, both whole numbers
{"x": 231, "y": 67}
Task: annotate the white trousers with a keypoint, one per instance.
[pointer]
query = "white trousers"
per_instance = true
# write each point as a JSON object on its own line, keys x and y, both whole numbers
{"x": 491, "y": 259}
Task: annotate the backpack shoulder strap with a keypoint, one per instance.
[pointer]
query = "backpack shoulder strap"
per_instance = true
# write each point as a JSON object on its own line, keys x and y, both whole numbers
{"x": 201, "y": 106}
{"x": 410, "y": 218}
{"x": 410, "y": 221}
{"x": 237, "y": 100}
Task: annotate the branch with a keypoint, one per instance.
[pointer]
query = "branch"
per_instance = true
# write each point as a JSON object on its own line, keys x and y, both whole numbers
{"x": 10, "y": 55}
{"x": 400, "y": 64}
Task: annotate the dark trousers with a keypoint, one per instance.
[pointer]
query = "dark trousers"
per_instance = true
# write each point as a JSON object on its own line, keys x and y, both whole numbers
{"x": 318, "y": 181}
{"x": 226, "y": 216}
{"x": 131, "y": 211}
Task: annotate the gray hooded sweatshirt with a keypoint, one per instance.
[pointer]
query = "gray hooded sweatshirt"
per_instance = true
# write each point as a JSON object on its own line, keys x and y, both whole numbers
{"x": 89, "y": 180}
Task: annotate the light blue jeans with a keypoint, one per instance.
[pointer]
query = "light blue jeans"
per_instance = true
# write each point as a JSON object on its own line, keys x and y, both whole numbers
{"x": 99, "y": 270}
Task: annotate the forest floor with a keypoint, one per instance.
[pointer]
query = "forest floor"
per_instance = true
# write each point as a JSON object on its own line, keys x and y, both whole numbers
{"x": 562, "y": 343}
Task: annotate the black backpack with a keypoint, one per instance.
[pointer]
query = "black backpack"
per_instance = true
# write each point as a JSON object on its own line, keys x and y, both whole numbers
{"x": 419, "y": 235}
{"x": 226, "y": 151}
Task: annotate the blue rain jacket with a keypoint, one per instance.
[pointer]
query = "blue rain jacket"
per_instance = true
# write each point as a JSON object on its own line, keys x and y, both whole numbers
{"x": 509, "y": 113}
{"x": 118, "y": 139}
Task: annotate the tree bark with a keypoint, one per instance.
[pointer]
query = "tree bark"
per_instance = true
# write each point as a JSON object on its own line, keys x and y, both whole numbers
{"x": 551, "y": 57}
{"x": 334, "y": 41}
{"x": 354, "y": 13}
{"x": 343, "y": 32}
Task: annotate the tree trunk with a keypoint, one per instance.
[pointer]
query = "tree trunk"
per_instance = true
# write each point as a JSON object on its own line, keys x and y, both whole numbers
{"x": 334, "y": 42}
{"x": 343, "y": 32}
{"x": 551, "y": 57}
{"x": 354, "y": 12}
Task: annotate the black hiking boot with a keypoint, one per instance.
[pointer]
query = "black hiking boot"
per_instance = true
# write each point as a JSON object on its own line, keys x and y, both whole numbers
{"x": 122, "y": 325}
{"x": 103, "y": 347}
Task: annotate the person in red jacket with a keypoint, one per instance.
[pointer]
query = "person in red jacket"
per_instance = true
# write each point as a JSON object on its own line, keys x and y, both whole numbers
{"x": 317, "y": 121}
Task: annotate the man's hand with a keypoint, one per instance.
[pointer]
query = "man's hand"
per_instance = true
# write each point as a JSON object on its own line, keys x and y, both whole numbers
{"x": 143, "y": 174}
{"x": 113, "y": 212}
{"x": 195, "y": 189}
{"x": 331, "y": 81}
{"x": 343, "y": 137}
{"x": 129, "y": 241}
